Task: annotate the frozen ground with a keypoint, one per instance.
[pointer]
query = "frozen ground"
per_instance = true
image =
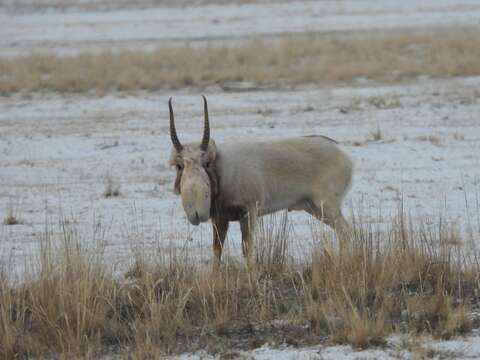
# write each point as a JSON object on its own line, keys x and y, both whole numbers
{"x": 80, "y": 29}
{"x": 418, "y": 141}
{"x": 402, "y": 348}
{"x": 58, "y": 152}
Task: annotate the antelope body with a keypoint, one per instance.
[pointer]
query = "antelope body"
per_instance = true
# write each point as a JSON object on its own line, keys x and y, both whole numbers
{"x": 243, "y": 180}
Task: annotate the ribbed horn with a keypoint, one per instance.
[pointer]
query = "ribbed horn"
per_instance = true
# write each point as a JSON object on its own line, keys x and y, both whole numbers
{"x": 206, "y": 129}
{"x": 173, "y": 133}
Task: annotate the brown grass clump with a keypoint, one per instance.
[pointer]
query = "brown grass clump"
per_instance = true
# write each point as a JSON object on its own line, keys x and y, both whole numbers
{"x": 376, "y": 135}
{"x": 432, "y": 139}
{"x": 11, "y": 217}
{"x": 62, "y": 309}
{"x": 112, "y": 189}
{"x": 389, "y": 56}
{"x": 404, "y": 279}
{"x": 401, "y": 280}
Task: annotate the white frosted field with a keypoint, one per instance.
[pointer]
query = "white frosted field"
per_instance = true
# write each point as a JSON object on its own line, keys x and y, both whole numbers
{"x": 462, "y": 348}
{"x": 416, "y": 143}
{"x": 77, "y": 29}
{"x": 59, "y": 151}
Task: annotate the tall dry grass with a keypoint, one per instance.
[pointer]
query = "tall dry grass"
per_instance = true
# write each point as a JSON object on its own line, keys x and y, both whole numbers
{"x": 412, "y": 278}
{"x": 389, "y": 56}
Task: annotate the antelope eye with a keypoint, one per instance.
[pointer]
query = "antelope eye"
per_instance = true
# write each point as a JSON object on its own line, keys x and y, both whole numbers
{"x": 179, "y": 167}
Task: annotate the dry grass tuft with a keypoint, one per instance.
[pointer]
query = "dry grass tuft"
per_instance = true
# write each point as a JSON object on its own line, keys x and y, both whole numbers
{"x": 112, "y": 189}
{"x": 432, "y": 139}
{"x": 459, "y": 137}
{"x": 403, "y": 279}
{"x": 272, "y": 238}
{"x": 408, "y": 280}
{"x": 11, "y": 217}
{"x": 376, "y": 135}
{"x": 326, "y": 59}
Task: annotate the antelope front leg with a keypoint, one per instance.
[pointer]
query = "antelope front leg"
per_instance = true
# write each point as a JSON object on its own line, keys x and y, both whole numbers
{"x": 220, "y": 228}
{"x": 247, "y": 227}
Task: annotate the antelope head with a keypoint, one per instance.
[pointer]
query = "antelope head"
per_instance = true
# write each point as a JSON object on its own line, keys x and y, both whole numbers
{"x": 195, "y": 166}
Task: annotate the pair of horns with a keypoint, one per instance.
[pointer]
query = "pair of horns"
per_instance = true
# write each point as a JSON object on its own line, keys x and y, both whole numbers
{"x": 206, "y": 129}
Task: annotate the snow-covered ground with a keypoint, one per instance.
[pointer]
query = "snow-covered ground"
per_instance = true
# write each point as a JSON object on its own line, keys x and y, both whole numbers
{"x": 58, "y": 153}
{"x": 147, "y": 28}
{"x": 417, "y": 142}
{"x": 397, "y": 347}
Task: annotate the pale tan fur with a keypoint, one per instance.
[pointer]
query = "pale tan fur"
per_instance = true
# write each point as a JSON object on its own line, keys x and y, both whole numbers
{"x": 244, "y": 180}
{"x": 257, "y": 178}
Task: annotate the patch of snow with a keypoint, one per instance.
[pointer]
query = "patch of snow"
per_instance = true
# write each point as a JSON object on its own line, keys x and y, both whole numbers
{"x": 59, "y": 152}
{"x": 467, "y": 347}
{"x": 147, "y": 28}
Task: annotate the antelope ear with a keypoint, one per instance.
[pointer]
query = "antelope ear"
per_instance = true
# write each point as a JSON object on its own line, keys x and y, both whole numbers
{"x": 176, "y": 185}
{"x": 174, "y": 157}
{"x": 211, "y": 169}
{"x": 212, "y": 150}
{"x": 213, "y": 177}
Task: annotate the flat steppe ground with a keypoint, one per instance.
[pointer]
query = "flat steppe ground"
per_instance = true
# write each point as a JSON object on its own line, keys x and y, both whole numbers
{"x": 97, "y": 161}
{"x": 415, "y": 143}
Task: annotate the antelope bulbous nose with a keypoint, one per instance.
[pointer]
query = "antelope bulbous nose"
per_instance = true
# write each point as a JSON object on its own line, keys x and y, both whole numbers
{"x": 195, "y": 219}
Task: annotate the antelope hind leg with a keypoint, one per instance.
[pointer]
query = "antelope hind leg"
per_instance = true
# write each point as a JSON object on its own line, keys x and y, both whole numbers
{"x": 333, "y": 217}
{"x": 247, "y": 227}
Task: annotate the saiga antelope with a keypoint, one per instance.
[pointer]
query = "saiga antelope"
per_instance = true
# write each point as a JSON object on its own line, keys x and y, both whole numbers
{"x": 243, "y": 180}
